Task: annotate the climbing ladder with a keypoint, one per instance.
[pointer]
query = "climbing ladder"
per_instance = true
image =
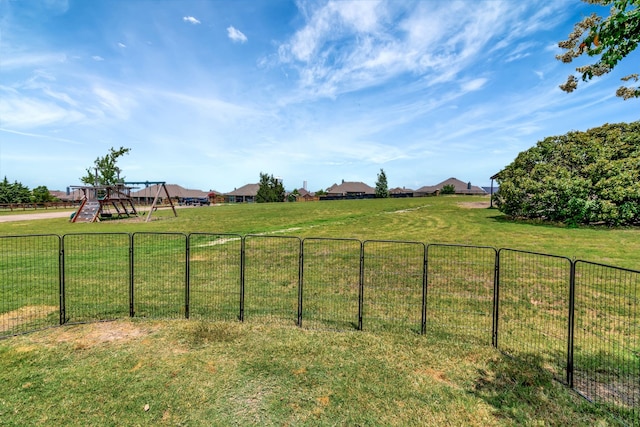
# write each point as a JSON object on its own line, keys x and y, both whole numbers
{"x": 89, "y": 211}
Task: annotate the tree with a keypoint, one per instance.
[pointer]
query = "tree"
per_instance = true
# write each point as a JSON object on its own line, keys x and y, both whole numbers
{"x": 609, "y": 39}
{"x": 105, "y": 170}
{"x": 578, "y": 178}
{"x": 270, "y": 190}
{"x": 448, "y": 189}
{"x": 293, "y": 195}
{"x": 382, "y": 190}
{"x": 41, "y": 194}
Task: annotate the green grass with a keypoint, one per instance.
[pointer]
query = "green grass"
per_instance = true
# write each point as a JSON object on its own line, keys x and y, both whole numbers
{"x": 200, "y": 373}
{"x": 364, "y": 378}
{"x": 428, "y": 220}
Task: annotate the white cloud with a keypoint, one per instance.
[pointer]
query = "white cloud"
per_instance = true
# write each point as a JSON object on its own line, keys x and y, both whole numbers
{"x": 191, "y": 20}
{"x": 473, "y": 85}
{"x": 97, "y": 58}
{"x": 236, "y": 35}
{"x": 122, "y": 45}
{"x": 20, "y": 112}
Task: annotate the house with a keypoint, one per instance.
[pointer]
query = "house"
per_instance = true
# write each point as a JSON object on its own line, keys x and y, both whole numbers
{"x": 306, "y": 196}
{"x": 177, "y": 193}
{"x": 68, "y": 196}
{"x": 245, "y": 194}
{"x": 350, "y": 190}
{"x": 215, "y": 197}
{"x": 401, "y": 192}
{"x": 458, "y": 186}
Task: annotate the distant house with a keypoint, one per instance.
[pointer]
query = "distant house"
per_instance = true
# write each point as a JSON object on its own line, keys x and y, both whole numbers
{"x": 177, "y": 193}
{"x": 305, "y": 196}
{"x": 245, "y": 194}
{"x": 490, "y": 190}
{"x": 350, "y": 190}
{"x": 215, "y": 197}
{"x": 67, "y": 196}
{"x": 459, "y": 188}
{"x": 401, "y": 192}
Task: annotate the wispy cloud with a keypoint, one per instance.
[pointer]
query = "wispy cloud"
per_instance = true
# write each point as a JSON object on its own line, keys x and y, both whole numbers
{"x": 236, "y": 35}
{"x": 97, "y": 58}
{"x": 191, "y": 20}
{"x": 122, "y": 45}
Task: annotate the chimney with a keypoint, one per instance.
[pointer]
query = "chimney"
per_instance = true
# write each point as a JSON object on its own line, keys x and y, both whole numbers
{"x": 304, "y": 185}
{"x": 343, "y": 181}
{"x": 469, "y": 186}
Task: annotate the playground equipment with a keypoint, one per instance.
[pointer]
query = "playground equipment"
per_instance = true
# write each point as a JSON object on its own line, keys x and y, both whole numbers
{"x": 109, "y": 201}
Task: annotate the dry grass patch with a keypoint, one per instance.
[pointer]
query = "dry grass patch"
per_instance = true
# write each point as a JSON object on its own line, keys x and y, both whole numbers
{"x": 23, "y": 315}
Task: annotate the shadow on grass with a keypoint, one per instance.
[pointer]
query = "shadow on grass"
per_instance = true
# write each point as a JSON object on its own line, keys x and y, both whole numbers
{"x": 523, "y": 392}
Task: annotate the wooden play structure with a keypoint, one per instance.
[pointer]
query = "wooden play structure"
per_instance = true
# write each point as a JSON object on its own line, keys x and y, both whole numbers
{"x": 114, "y": 201}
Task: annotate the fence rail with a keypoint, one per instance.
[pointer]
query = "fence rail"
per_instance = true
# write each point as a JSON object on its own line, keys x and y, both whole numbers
{"x": 578, "y": 319}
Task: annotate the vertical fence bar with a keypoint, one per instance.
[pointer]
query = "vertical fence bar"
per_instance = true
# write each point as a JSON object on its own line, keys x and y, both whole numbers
{"x": 215, "y": 268}
{"x": 496, "y": 301}
{"x": 425, "y": 279}
{"x": 394, "y": 284}
{"x": 534, "y": 297}
{"x": 607, "y": 337}
{"x": 30, "y": 296}
{"x": 187, "y": 264}
{"x": 96, "y": 267}
{"x": 272, "y": 277}
{"x": 331, "y": 283}
{"x": 131, "y": 282}
{"x": 242, "y": 276}
{"x": 160, "y": 271}
{"x": 62, "y": 299}
{"x": 461, "y": 282}
{"x": 571, "y": 326}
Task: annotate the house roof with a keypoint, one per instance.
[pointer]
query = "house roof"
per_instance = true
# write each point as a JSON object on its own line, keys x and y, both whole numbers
{"x": 459, "y": 187}
{"x": 302, "y": 192}
{"x": 173, "y": 189}
{"x": 350, "y": 188}
{"x": 245, "y": 190}
{"x": 399, "y": 190}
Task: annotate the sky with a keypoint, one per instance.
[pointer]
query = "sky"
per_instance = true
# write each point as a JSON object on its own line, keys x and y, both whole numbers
{"x": 208, "y": 94}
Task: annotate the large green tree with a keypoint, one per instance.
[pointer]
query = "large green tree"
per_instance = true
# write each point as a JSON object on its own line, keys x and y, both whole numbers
{"x": 270, "y": 190}
{"x": 106, "y": 170}
{"x": 609, "y": 39}
{"x": 577, "y": 178}
{"x": 382, "y": 189}
{"x": 14, "y": 192}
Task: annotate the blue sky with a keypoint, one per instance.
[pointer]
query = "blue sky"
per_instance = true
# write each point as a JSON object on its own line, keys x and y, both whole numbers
{"x": 208, "y": 94}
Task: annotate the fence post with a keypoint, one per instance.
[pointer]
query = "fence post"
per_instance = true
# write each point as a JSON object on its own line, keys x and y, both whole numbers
{"x": 61, "y": 281}
{"x": 242, "y": 272}
{"x": 300, "y": 281}
{"x": 425, "y": 265}
{"x": 571, "y": 325}
{"x": 131, "y": 277}
{"x": 496, "y": 299}
{"x": 361, "y": 287}
{"x": 186, "y": 276}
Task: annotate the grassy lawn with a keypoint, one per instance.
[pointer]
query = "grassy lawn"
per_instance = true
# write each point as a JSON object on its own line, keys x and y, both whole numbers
{"x": 460, "y": 220}
{"x": 197, "y": 373}
{"x": 272, "y": 373}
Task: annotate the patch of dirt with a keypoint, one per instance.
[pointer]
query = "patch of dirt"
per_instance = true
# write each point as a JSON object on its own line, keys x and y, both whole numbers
{"x": 475, "y": 205}
{"x": 12, "y": 319}
{"x": 86, "y": 336}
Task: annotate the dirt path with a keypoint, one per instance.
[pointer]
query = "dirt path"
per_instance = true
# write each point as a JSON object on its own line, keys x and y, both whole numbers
{"x": 31, "y": 216}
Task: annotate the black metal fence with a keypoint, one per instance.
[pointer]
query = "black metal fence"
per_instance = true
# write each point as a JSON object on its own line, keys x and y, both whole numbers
{"x": 578, "y": 319}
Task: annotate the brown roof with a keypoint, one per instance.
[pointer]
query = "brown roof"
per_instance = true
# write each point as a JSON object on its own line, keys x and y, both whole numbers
{"x": 350, "y": 188}
{"x": 173, "y": 189}
{"x": 399, "y": 190}
{"x": 459, "y": 187}
{"x": 245, "y": 190}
